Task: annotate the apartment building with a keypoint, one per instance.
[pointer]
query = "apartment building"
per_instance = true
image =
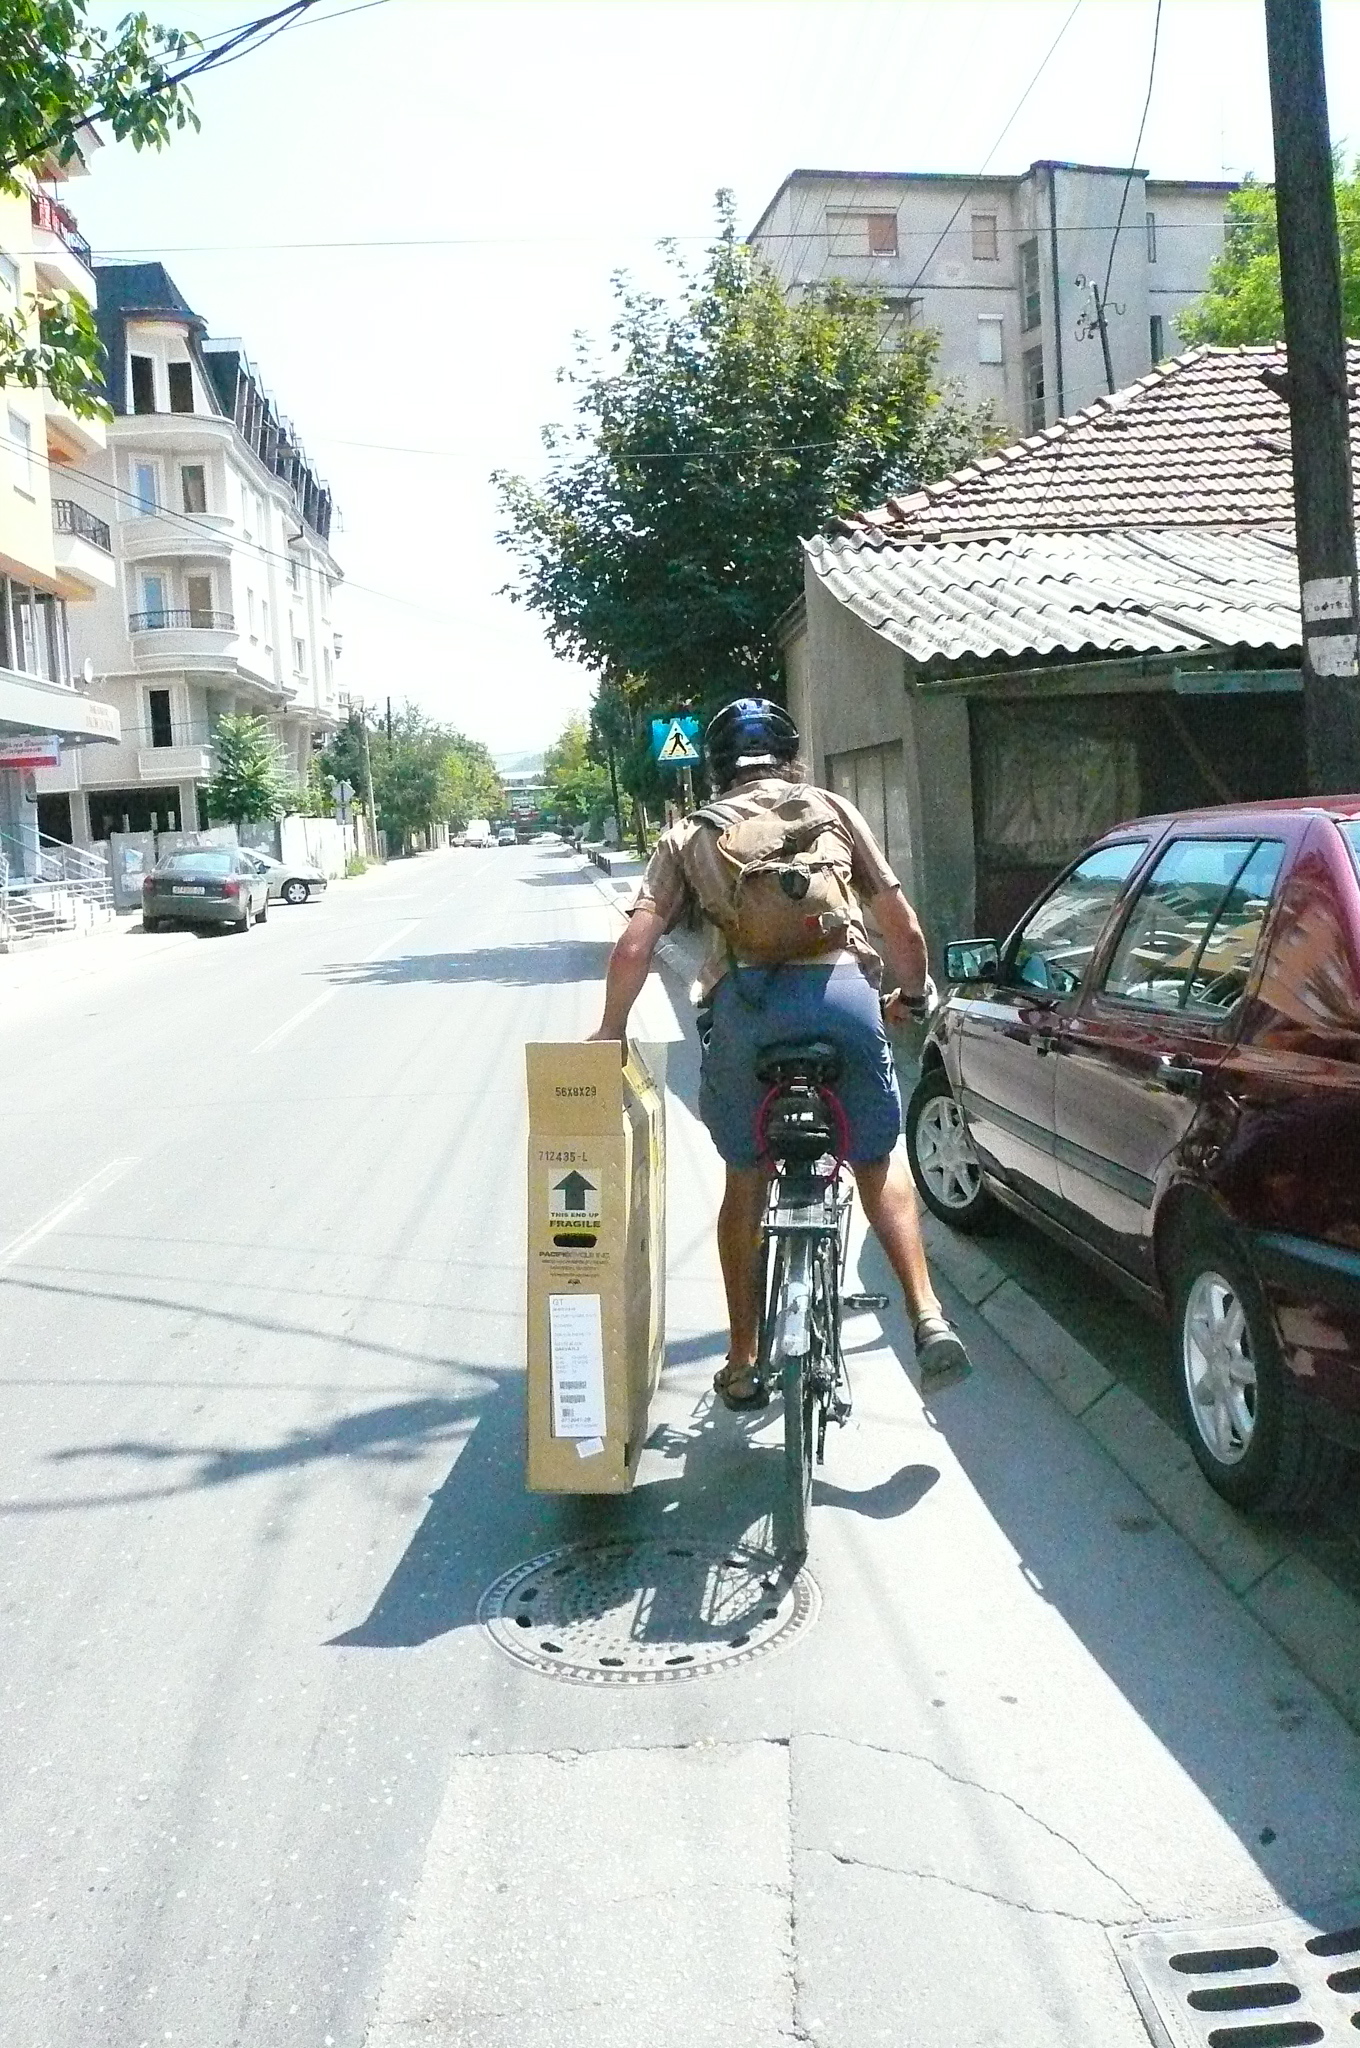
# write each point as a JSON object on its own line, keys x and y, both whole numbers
{"x": 53, "y": 552}
{"x": 1001, "y": 269}
{"x": 223, "y": 599}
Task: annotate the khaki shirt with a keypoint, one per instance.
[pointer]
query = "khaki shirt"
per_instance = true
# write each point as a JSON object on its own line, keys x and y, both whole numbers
{"x": 668, "y": 888}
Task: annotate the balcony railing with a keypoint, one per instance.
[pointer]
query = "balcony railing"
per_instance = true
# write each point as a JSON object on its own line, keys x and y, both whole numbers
{"x": 191, "y": 616}
{"x": 68, "y": 517}
{"x": 51, "y": 218}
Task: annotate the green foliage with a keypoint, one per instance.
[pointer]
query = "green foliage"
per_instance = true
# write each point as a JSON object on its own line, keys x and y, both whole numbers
{"x": 579, "y": 786}
{"x": 425, "y": 774}
{"x": 67, "y": 357}
{"x": 1243, "y": 302}
{"x": 59, "y": 70}
{"x": 249, "y": 784}
{"x": 355, "y": 865}
{"x": 664, "y": 542}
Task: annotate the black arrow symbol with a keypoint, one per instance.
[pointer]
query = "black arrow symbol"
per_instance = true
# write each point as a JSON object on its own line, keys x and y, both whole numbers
{"x": 573, "y": 1188}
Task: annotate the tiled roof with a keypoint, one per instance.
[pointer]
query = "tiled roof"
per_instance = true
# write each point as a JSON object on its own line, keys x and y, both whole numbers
{"x": 1153, "y": 590}
{"x": 1202, "y": 441}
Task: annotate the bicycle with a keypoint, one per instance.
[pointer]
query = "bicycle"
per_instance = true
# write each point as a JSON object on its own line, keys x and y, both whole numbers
{"x": 803, "y": 1139}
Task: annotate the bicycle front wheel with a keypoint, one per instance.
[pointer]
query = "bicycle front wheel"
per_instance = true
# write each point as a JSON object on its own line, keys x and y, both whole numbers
{"x": 794, "y": 1327}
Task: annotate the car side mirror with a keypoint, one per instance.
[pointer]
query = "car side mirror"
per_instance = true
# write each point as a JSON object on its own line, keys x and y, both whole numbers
{"x": 972, "y": 960}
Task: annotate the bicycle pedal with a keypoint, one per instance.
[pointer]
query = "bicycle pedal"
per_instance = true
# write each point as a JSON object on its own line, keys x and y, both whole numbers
{"x": 858, "y": 1303}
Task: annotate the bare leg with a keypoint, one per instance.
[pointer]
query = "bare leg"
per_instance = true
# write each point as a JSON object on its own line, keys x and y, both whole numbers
{"x": 743, "y": 1205}
{"x": 889, "y": 1200}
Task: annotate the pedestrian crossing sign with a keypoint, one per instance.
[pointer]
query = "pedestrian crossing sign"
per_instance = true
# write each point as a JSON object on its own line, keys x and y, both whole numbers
{"x": 675, "y": 741}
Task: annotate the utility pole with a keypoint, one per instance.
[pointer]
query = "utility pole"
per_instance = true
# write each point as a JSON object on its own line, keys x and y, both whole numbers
{"x": 369, "y": 804}
{"x": 1315, "y": 386}
{"x": 389, "y": 721}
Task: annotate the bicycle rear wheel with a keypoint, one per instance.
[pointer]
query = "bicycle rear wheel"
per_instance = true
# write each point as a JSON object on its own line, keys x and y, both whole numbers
{"x": 794, "y": 1325}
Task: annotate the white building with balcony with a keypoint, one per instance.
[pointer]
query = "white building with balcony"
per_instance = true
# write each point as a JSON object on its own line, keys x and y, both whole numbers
{"x": 1000, "y": 268}
{"x": 225, "y": 581}
{"x": 53, "y": 554}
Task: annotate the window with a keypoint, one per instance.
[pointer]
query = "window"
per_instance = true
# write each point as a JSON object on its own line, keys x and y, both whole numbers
{"x": 1192, "y": 933}
{"x": 1031, "y": 307}
{"x": 145, "y": 488}
{"x": 250, "y": 614}
{"x": 143, "y": 384}
{"x": 21, "y": 449}
{"x": 1053, "y": 951}
{"x": 1152, "y": 237}
{"x": 294, "y": 573}
{"x": 860, "y": 234}
{"x": 9, "y": 274}
{"x": 155, "y": 601}
{"x": 1156, "y": 341}
{"x": 264, "y": 621}
{"x": 300, "y": 657}
{"x": 199, "y": 591}
{"x": 984, "y": 238}
{"x": 989, "y": 339}
{"x": 181, "y": 388}
{"x": 1032, "y": 364}
{"x": 158, "y": 718}
{"x": 193, "y": 483}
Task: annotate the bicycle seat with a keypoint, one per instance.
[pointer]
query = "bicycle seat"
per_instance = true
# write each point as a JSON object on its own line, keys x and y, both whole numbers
{"x": 806, "y": 1060}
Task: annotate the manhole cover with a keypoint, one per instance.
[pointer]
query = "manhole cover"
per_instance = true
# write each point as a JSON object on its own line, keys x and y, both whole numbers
{"x": 1261, "y": 1984}
{"x": 645, "y": 1613}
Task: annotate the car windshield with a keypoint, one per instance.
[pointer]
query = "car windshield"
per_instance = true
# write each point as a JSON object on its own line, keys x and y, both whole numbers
{"x": 199, "y": 865}
{"x": 1350, "y": 832}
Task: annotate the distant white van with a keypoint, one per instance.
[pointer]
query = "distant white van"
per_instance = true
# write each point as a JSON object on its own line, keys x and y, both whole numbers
{"x": 479, "y": 833}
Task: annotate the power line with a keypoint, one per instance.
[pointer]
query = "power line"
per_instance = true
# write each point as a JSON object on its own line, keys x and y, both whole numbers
{"x": 1124, "y": 196}
{"x": 619, "y": 454}
{"x": 1011, "y": 119}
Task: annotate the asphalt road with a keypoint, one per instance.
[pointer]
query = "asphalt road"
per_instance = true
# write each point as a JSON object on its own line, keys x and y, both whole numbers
{"x": 264, "y": 1780}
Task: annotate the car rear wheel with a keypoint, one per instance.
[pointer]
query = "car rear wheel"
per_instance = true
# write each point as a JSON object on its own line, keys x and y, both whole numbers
{"x": 295, "y": 891}
{"x": 152, "y": 924}
{"x": 247, "y": 917}
{"x": 943, "y": 1163}
{"x": 1248, "y": 1425}
{"x": 263, "y": 912}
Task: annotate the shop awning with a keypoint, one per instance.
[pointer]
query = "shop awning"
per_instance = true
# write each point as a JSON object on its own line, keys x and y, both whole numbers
{"x": 30, "y": 704}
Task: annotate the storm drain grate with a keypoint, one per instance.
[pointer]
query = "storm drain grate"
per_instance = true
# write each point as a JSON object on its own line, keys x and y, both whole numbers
{"x": 646, "y": 1613}
{"x": 1265, "y": 1984}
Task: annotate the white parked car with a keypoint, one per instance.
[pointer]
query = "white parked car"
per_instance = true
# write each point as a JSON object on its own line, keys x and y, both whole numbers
{"x": 289, "y": 881}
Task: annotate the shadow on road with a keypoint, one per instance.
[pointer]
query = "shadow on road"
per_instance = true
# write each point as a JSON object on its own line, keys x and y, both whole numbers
{"x": 532, "y": 966}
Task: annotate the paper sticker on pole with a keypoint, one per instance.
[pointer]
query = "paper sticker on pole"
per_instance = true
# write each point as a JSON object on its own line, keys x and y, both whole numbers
{"x": 675, "y": 742}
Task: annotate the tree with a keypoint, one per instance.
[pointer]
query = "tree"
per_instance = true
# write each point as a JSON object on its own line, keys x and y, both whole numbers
{"x": 58, "y": 73}
{"x": 578, "y": 786}
{"x": 472, "y": 786}
{"x": 1243, "y": 302}
{"x": 663, "y": 543}
{"x": 249, "y": 783}
{"x": 424, "y": 773}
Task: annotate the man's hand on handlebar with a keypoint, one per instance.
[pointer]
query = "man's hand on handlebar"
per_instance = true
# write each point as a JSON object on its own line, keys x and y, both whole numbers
{"x": 904, "y": 1009}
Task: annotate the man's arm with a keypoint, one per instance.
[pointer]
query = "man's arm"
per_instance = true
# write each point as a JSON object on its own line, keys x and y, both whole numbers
{"x": 904, "y": 949}
{"x": 629, "y": 965}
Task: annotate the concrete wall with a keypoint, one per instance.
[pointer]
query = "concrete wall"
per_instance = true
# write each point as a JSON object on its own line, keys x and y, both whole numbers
{"x": 853, "y": 690}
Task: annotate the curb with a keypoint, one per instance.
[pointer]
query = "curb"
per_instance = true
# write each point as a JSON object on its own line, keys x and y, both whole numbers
{"x": 1316, "y": 1623}
{"x": 1313, "y": 1621}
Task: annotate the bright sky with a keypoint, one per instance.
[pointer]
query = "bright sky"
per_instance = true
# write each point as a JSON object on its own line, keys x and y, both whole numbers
{"x": 522, "y": 151}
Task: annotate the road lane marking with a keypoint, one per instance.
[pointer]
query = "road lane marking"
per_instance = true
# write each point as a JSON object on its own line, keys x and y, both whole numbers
{"x": 54, "y": 1218}
{"x": 290, "y": 1024}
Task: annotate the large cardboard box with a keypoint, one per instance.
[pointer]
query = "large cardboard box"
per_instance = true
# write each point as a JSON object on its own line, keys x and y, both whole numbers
{"x": 597, "y": 1262}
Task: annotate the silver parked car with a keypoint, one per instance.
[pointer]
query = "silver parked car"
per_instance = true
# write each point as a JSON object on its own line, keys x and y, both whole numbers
{"x": 289, "y": 881}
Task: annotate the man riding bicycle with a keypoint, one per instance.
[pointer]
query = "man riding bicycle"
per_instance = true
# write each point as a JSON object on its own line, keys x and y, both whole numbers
{"x": 784, "y": 872}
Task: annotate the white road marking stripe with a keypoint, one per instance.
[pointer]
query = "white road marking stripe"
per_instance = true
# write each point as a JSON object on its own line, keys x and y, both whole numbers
{"x": 291, "y": 1024}
{"x": 54, "y": 1218}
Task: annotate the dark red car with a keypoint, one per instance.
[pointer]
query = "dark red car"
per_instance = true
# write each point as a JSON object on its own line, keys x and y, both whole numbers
{"x": 1161, "y": 1066}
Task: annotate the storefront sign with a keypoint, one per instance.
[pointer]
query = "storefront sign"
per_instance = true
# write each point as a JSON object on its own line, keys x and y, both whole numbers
{"x": 30, "y": 750}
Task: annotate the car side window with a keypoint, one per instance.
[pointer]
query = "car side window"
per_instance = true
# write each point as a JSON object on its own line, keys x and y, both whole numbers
{"x": 1194, "y": 927}
{"x": 1053, "y": 949}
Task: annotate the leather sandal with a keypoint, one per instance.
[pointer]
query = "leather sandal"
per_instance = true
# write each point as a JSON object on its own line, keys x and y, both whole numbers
{"x": 730, "y": 1377}
{"x": 940, "y": 1354}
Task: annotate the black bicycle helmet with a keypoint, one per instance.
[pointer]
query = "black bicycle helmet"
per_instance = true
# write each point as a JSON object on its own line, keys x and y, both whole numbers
{"x": 751, "y": 732}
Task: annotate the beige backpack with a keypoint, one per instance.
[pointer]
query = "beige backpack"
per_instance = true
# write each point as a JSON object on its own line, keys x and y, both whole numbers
{"x": 780, "y": 887}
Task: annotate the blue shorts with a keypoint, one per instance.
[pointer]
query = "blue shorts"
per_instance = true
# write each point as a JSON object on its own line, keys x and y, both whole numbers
{"x": 758, "y": 1006}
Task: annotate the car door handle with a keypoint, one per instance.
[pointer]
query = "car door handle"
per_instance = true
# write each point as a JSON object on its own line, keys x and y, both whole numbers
{"x": 1181, "y": 1076}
